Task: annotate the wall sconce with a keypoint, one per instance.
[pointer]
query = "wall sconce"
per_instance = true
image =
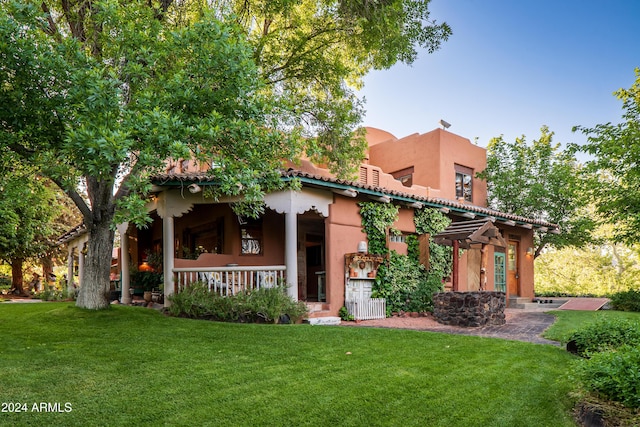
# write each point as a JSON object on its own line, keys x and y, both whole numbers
{"x": 362, "y": 247}
{"x": 529, "y": 251}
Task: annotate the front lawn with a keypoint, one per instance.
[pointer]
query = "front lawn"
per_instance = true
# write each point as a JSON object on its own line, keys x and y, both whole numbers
{"x": 134, "y": 366}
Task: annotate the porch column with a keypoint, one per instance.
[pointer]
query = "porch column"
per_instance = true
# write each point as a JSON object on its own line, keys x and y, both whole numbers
{"x": 80, "y": 264}
{"x": 70, "y": 263}
{"x": 168, "y": 251}
{"x": 291, "y": 253}
{"x": 125, "y": 296}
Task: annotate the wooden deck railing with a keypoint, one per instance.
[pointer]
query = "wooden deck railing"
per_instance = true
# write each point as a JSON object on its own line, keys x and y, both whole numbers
{"x": 230, "y": 280}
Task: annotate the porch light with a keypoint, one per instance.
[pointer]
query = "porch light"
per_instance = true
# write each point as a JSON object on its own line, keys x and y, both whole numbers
{"x": 529, "y": 251}
{"x": 362, "y": 247}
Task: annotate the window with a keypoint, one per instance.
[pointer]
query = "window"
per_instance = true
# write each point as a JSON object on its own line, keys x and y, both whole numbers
{"x": 251, "y": 236}
{"x": 398, "y": 238}
{"x": 464, "y": 183}
{"x": 405, "y": 176}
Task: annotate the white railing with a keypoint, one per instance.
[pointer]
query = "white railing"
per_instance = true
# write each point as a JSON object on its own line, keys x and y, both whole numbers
{"x": 367, "y": 308}
{"x": 230, "y": 280}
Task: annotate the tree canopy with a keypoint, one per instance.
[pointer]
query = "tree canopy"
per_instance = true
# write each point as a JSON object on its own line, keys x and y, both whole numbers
{"x": 98, "y": 94}
{"x": 613, "y": 168}
{"x": 539, "y": 181}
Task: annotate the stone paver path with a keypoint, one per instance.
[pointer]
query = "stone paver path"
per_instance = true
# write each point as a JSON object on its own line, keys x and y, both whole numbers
{"x": 522, "y": 325}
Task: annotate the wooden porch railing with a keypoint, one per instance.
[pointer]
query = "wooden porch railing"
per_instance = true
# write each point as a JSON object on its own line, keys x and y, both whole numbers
{"x": 230, "y": 280}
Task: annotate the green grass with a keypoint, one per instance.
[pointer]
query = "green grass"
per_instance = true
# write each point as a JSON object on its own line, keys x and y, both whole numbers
{"x": 568, "y": 321}
{"x": 134, "y": 366}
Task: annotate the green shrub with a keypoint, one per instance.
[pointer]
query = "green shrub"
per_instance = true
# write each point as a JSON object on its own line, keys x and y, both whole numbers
{"x": 405, "y": 284}
{"x": 344, "y": 314}
{"x": 613, "y": 375}
{"x": 270, "y": 305}
{"x": 626, "y": 301}
{"x": 605, "y": 334}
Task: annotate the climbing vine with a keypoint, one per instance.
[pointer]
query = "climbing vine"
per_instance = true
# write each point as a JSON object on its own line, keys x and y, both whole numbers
{"x": 376, "y": 219}
{"x": 431, "y": 221}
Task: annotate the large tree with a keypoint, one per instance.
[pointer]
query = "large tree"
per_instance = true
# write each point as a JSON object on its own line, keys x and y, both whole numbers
{"x": 27, "y": 210}
{"x": 100, "y": 93}
{"x": 540, "y": 181}
{"x": 614, "y": 167}
{"x": 100, "y": 103}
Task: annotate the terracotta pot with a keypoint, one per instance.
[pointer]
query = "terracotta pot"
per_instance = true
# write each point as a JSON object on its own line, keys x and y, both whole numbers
{"x": 147, "y": 296}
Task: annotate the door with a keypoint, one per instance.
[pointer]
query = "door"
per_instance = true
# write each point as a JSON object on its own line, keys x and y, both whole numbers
{"x": 513, "y": 277}
{"x": 499, "y": 273}
{"x": 315, "y": 273}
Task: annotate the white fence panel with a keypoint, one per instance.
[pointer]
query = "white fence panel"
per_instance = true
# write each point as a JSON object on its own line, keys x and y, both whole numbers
{"x": 230, "y": 280}
{"x": 367, "y": 308}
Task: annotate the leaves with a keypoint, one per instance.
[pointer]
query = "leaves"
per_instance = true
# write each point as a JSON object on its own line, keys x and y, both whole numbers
{"x": 614, "y": 179}
{"x": 539, "y": 181}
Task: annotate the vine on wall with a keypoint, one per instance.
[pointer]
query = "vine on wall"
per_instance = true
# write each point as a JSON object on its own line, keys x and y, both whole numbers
{"x": 432, "y": 221}
{"x": 402, "y": 280}
{"x": 376, "y": 219}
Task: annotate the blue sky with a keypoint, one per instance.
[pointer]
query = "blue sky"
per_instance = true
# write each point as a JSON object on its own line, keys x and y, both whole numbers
{"x": 512, "y": 66}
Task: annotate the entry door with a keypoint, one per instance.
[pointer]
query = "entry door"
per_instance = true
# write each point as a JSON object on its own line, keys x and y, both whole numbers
{"x": 512, "y": 267}
{"x": 315, "y": 285}
{"x": 500, "y": 275}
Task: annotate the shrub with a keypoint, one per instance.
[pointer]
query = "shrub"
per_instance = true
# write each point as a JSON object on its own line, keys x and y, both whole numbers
{"x": 613, "y": 375}
{"x": 406, "y": 285}
{"x": 605, "y": 334}
{"x": 626, "y": 301}
{"x": 270, "y": 305}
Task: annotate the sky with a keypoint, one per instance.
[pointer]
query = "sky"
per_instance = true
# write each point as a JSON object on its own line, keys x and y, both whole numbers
{"x": 512, "y": 66}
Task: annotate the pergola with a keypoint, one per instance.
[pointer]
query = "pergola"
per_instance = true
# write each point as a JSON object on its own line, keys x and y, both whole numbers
{"x": 463, "y": 234}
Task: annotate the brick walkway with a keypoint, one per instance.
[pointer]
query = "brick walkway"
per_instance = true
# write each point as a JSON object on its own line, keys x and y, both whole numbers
{"x": 522, "y": 325}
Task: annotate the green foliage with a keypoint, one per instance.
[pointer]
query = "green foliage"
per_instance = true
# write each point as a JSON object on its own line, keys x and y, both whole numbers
{"x": 432, "y": 221}
{"x": 311, "y": 54}
{"x": 614, "y": 181}
{"x": 405, "y": 284}
{"x": 344, "y": 314}
{"x": 626, "y": 301}
{"x": 604, "y": 335}
{"x": 146, "y": 280}
{"x": 28, "y": 207}
{"x": 268, "y": 305}
{"x": 377, "y": 218}
{"x": 593, "y": 271}
{"x": 540, "y": 181}
{"x": 613, "y": 375}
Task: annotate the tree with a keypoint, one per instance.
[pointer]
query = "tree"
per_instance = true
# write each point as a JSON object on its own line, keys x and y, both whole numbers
{"x": 539, "y": 181}
{"x": 103, "y": 105}
{"x": 27, "y": 208}
{"x": 614, "y": 175}
{"x": 100, "y": 93}
{"x": 312, "y": 54}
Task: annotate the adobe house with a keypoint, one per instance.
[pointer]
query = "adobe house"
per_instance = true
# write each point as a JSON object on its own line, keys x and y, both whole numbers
{"x": 304, "y": 235}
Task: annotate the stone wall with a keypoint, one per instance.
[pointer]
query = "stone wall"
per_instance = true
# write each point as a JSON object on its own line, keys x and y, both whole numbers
{"x": 470, "y": 309}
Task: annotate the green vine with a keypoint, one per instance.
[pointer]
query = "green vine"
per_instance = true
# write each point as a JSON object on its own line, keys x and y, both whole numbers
{"x": 377, "y": 218}
{"x": 432, "y": 221}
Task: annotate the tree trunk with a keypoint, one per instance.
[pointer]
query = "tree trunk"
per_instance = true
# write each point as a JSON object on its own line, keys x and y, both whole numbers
{"x": 47, "y": 268}
{"x": 97, "y": 265}
{"x": 17, "y": 280}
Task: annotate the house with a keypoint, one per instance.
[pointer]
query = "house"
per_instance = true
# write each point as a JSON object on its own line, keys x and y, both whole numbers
{"x": 304, "y": 235}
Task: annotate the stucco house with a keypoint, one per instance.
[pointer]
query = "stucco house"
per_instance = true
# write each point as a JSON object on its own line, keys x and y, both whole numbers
{"x": 304, "y": 235}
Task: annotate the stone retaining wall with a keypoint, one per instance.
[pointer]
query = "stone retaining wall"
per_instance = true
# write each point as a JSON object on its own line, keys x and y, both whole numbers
{"x": 470, "y": 309}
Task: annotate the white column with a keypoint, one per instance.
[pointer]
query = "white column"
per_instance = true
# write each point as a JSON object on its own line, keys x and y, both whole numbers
{"x": 168, "y": 251}
{"x": 291, "y": 252}
{"x": 125, "y": 297}
{"x": 80, "y": 264}
{"x": 70, "y": 270}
